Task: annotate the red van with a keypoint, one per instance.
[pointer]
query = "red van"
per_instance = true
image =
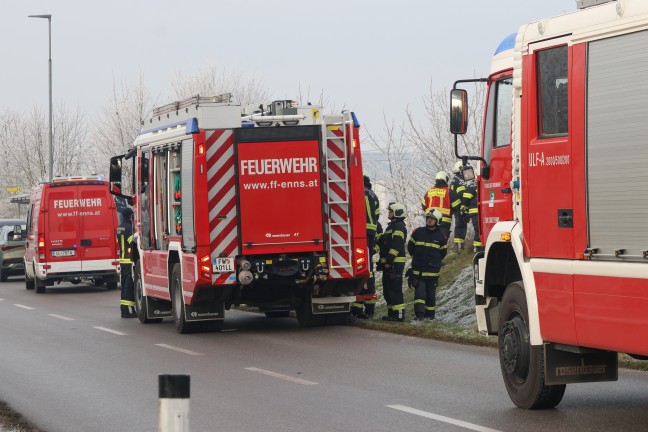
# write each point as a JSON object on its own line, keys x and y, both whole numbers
{"x": 71, "y": 234}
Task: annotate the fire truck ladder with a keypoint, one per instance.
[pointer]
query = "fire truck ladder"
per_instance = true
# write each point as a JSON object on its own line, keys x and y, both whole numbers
{"x": 334, "y": 128}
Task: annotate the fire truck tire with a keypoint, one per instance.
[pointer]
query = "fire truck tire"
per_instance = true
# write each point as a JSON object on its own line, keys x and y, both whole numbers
{"x": 140, "y": 299}
{"x": 177, "y": 304}
{"x": 305, "y": 315}
{"x": 522, "y": 364}
{"x": 277, "y": 314}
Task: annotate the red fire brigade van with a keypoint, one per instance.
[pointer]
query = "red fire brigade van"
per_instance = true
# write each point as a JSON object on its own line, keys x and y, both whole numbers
{"x": 71, "y": 225}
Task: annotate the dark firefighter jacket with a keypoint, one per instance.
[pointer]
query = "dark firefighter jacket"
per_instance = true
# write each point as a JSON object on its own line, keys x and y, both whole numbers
{"x": 125, "y": 237}
{"x": 392, "y": 243}
{"x": 372, "y": 207}
{"x": 427, "y": 248}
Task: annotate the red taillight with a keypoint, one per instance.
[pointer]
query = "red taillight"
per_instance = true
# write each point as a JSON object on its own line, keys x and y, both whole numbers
{"x": 201, "y": 149}
{"x": 360, "y": 256}
{"x": 41, "y": 241}
{"x": 4, "y": 248}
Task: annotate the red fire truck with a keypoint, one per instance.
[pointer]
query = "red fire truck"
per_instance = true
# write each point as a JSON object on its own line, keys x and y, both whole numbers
{"x": 261, "y": 206}
{"x": 563, "y": 195}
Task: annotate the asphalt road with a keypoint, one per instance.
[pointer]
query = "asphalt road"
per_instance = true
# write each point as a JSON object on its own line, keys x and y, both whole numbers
{"x": 69, "y": 363}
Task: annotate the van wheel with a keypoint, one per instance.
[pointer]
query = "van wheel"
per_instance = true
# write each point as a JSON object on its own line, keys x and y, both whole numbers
{"x": 40, "y": 286}
{"x": 177, "y": 303}
{"x": 111, "y": 286}
{"x": 3, "y": 276}
{"x": 277, "y": 314}
{"x": 140, "y": 299}
{"x": 29, "y": 283}
{"x": 522, "y": 364}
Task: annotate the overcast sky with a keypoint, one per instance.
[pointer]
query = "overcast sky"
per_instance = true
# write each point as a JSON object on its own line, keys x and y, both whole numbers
{"x": 371, "y": 56}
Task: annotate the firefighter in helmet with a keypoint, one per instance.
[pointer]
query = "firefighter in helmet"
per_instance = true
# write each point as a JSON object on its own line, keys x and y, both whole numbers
{"x": 469, "y": 207}
{"x": 457, "y": 188}
{"x": 125, "y": 239}
{"x": 392, "y": 261}
{"x": 427, "y": 246}
{"x": 438, "y": 198}
{"x": 365, "y": 309}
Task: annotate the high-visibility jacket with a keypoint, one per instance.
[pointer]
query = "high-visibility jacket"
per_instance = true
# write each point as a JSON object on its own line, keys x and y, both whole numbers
{"x": 125, "y": 238}
{"x": 372, "y": 207}
{"x": 392, "y": 243}
{"x": 427, "y": 247}
{"x": 438, "y": 198}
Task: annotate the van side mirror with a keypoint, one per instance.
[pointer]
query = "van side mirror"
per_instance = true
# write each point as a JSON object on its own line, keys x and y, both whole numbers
{"x": 458, "y": 111}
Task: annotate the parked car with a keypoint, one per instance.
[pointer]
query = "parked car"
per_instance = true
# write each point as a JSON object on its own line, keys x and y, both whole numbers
{"x": 12, "y": 247}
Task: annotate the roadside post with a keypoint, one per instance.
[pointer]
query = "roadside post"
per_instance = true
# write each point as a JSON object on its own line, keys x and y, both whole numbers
{"x": 174, "y": 403}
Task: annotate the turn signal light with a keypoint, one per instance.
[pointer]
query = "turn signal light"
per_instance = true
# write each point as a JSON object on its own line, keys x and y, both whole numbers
{"x": 506, "y": 236}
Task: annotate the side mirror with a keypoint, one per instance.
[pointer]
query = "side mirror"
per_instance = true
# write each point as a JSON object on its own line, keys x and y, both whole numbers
{"x": 458, "y": 111}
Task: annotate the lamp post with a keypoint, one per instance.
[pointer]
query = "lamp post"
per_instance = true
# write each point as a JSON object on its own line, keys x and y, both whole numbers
{"x": 51, "y": 150}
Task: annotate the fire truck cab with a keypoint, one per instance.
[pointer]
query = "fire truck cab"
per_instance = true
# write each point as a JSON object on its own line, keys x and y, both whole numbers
{"x": 261, "y": 205}
{"x": 563, "y": 196}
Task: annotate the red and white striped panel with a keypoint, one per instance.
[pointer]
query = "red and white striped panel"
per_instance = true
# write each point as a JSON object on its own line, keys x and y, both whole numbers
{"x": 221, "y": 186}
{"x": 339, "y": 258}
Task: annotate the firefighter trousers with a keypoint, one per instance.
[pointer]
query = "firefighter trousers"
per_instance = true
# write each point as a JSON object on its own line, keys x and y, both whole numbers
{"x": 127, "y": 302}
{"x": 393, "y": 291}
{"x": 425, "y": 298}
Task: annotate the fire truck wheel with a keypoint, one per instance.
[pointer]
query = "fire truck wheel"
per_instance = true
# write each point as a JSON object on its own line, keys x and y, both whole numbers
{"x": 40, "y": 286}
{"x": 305, "y": 315}
{"x": 277, "y": 314}
{"x": 522, "y": 364}
{"x": 177, "y": 304}
{"x": 140, "y": 300}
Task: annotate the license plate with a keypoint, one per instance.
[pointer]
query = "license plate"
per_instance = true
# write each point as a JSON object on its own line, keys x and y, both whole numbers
{"x": 63, "y": 253}
{"x": 223, "y": 265}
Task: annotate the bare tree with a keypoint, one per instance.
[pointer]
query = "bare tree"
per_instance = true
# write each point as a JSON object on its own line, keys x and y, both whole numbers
{"x": 210, "y": 81}
{"x": 115, "y": 131}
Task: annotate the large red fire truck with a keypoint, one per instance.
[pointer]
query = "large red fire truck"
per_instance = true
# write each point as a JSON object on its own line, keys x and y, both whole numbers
{"x": 260, "y": 206}
{"x": 563, "y": 195}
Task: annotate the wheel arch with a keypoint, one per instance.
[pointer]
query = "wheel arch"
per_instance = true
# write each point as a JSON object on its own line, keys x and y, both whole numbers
{"x": 505, "y": 264}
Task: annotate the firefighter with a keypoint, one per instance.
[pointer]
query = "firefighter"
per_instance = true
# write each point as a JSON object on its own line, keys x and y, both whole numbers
{"x": 438, "y": 198}
{"x": 365, "y": 309}
{"x": 427, "y": 246}
{"x": 125, "y": 238}
{"x": 457, "y": 188}
{"x": 392, "y": 262}
{"x": 469, "y": 207}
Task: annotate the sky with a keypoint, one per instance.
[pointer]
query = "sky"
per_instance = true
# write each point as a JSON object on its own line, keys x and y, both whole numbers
{"x": 374, "y": 57}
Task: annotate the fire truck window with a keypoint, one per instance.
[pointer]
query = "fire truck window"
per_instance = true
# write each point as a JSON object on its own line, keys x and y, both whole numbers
{"x": 504, "y": 112}
{"x": 145, "y": 202}
{"x": 552, "y": 91}
{"x": 161, "y": 199}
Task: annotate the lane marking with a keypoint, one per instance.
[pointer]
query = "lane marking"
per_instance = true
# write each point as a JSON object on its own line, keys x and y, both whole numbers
{"x": 442, "y": 418}
{"x": 281, "y": 376}
{"x": 61, "y": 317}
{"x": 182, "y": 350}
{"x": 111, "y": 331}
{"x": 23, "y": 306}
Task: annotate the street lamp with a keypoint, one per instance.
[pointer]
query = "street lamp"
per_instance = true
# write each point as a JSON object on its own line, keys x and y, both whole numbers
{"x": 51, "y": 150}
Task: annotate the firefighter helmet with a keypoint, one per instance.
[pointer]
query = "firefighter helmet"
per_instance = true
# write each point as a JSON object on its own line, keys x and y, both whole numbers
{"x": 435, "y": 214}
{"x": 457, "y": 166}
{"x": 399, "y": 210}
{"x": 442, "y": 175}
{"x": 127, "y": 212}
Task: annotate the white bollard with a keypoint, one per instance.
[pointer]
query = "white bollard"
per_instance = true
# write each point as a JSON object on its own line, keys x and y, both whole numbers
{"x": 174, "y": 403}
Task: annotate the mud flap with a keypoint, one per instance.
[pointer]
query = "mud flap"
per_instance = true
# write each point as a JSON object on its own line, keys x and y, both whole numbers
{"x": 157, "y": 308}
{"x": 567, "y": 364}
{"x": 205, "y": 311}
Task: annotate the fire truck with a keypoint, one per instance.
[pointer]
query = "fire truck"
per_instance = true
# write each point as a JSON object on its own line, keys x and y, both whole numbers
{"x": 259, "y": 205}
{"x": 563, "y": 192}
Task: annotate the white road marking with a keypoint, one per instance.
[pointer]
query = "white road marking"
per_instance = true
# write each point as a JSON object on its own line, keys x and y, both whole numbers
{"x": 61, "y": 317}
{"x": 182, "y": 350}
{"x": 23, "y": 306}
{"x": 111, "y": 331}
{"x": 442, "y": 418}
{"x": 280, "y": 376}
